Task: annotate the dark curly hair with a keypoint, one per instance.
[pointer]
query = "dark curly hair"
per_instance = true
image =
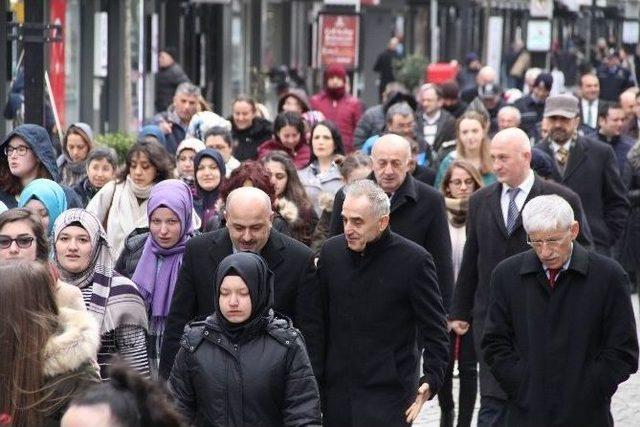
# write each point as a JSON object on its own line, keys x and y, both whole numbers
{"x": 132, "y": 400}
{"x": 158, "y": 157}
{"x": 251, "y": 171}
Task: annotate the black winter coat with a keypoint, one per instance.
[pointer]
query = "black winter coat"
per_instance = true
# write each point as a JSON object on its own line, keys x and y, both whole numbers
{"x": 132, "y": 251}
{"x": 289, "y": 260}
{"x": 376, "y": 303}
{"x": 247, "y": 141}
{"x": 265, "y": 380}
{"x": 592, "y": 172}
{"x": 487, "y": 244}
{"x": 418, "y": 214}
{"x": 560, "y": 354}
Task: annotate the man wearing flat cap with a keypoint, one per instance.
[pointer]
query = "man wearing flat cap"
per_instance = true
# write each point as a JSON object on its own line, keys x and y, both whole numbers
{"x": 532, "y": 106}
{"x": 589, "y": 168}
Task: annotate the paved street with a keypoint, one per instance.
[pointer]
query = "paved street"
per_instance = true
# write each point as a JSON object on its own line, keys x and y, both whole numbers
{"x": 625, "y": 405}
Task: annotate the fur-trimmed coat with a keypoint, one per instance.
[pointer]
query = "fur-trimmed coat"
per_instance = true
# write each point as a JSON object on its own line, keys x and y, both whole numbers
{"x": 70, "y": 361}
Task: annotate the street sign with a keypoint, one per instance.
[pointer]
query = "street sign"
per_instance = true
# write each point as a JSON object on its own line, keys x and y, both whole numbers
{"x": 338, "y": 40}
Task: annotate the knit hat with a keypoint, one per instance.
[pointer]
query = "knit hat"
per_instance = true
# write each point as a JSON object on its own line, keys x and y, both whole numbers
{"x": 335, "y": 70}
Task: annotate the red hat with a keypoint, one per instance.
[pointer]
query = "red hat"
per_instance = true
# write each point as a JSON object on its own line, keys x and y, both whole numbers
{"x": 335, "y": 70}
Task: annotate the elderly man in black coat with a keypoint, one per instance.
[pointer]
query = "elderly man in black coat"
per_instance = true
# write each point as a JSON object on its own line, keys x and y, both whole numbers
{"x": 589, "y": 168}
{"x": 379, "y": 292}
{"x": 494, "y": 232}
{"x": 560, "y": 333}
{"x": 417, "y": 211}
{"x": 248, "y": 215}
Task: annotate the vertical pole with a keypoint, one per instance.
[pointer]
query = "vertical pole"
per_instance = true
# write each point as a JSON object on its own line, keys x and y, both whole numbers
{"x": 34, "y": 62}
{"x": 4, "y": 56}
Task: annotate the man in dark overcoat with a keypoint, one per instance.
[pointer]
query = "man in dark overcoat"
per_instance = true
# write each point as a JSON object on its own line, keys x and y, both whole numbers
{"x": 417, "y": 210}
{"x": 494, "y": 234}
{"x": 589, "y": 168}
{"x": 248, "y": 215}
{"x": 379, "y": 292}
{"x": 560, "y": 333}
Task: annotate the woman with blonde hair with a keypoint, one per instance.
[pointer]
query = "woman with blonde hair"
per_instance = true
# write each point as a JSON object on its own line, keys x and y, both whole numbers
{"x": 472, "y": 145}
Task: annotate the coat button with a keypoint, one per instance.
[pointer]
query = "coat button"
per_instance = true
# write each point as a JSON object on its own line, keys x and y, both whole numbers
{"x": 191, "y": 348}
{"x": 287, "y": 342}
{"x": 206, "y": 333}
{"x": 219, "y": 340}
{"x": 293, "y": 333}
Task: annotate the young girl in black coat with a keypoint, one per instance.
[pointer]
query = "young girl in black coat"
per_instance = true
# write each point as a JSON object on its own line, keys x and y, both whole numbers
{"x": 244, "y": 366}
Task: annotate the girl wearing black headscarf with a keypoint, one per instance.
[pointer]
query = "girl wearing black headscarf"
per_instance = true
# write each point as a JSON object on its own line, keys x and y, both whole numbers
{"x": 242, "y": 365}
{"x": 209, "y": 171}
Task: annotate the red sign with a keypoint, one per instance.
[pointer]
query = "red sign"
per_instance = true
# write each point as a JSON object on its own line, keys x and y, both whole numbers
{"x": 338, "y": 40}
{"x": 56, "y": 58}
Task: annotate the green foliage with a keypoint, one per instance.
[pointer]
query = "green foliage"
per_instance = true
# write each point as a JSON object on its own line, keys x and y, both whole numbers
{"x": 410, "y": 70}
{"x": 120, "y": 142}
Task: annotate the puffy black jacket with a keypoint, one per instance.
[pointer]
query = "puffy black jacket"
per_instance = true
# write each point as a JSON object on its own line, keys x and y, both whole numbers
{"x": 263, "y": 380}
{"x": 133, "y": 247}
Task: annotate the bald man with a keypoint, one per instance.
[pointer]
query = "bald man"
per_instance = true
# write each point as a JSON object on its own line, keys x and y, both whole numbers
{"x": 494, "y": 233}
{"x": 417, "y": 210}
{"x": 248, "y": 218}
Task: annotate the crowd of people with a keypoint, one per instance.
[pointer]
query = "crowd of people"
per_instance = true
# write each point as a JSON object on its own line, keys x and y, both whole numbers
{"x": 333, "y": 266}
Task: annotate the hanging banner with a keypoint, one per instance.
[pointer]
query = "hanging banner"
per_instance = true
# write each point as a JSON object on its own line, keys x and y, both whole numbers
{"x": 338, "y": 40}
{"x": 56, "y": 58}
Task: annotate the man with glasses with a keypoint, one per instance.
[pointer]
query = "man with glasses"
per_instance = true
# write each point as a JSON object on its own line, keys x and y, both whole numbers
{"x": 560, "y": 332}
{"x": 494, "y": 233}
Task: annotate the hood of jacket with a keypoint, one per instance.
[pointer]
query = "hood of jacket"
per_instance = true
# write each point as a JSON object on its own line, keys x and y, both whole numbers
{"x": 299, "y": 94}
{"x": 75, "y": 344}
{"x": 40, "y": 143}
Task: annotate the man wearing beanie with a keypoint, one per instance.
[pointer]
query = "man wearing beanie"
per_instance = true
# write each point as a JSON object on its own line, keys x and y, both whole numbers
{"x": 451, "y": 98}
{"x": 532, "y": 106}
{"x": 337, "y": 104}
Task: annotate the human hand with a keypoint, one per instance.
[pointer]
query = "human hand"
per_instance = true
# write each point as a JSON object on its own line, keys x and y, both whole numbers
{"x": 460, "y": 327}
{"x": 423, "y": 395}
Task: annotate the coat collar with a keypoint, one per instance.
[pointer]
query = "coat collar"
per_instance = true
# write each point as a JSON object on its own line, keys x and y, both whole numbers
{"x": 577, "y": 154}
{"x": 579, "y": 261}
{"x": 405, "y": 193}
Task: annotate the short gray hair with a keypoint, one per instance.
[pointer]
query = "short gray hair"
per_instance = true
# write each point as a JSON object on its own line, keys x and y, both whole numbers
{"x": 188, "y": 89}
{"x": 510, "y": 109}
{"x": 401, "y": 108}
{"x": 547, "y": 213}
{"x": 377, "y": 197}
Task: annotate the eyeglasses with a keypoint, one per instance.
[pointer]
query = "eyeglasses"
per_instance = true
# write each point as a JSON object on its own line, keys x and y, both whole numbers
{"x": 22, "y": 242}
{"x": 552, "y": 243}
{"x": 21, "y": 150}
{"x": 469, "y": 182}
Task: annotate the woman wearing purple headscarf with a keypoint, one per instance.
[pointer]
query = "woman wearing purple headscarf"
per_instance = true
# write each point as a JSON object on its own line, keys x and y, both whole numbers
{"x": 170, "y": 212}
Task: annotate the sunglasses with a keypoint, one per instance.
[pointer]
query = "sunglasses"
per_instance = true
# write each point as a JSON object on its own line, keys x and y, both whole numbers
{"x": 22, "y": 242}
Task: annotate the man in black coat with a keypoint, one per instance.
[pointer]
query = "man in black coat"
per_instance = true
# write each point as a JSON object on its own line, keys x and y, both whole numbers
{"x": 589, "y": 168}
{"x": 560, "y": 332}
{"x": 436, "y": 124}
{"x": 417, "y": 210}
{"x": 493, "y": 234}
{"x": 248, "y": 214}
{"x": 532, "y": 106}
{"x": 379, "y": 294}
{"x": 611, "y": 120}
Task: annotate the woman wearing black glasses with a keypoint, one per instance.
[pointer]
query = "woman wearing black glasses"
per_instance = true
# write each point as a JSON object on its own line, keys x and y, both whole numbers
{"x": 22, "y": 238}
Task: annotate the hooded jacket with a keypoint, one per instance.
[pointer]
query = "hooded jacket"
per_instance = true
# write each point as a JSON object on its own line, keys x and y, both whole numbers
{"x": 71, "y": 173}
{"x": 262, "y": 372}
{"x": 246, "y": 141}
{"x": 373, "y": 120}
{"x": 40, "y": 144}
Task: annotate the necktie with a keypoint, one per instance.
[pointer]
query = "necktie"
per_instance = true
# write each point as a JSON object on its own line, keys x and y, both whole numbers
{"x": 562, "y": 155}
{"x": 590, "y": 115}
{"x": 512, "y": 210}
{"x": 553, "y": 275}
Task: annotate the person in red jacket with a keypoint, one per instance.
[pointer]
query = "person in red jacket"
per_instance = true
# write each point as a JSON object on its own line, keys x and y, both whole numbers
{"x": 337, "y": 105}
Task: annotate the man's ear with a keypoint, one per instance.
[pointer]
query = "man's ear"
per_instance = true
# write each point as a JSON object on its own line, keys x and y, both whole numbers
{"x": 575, "y": 229}
{"x": 383, "y": 222}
